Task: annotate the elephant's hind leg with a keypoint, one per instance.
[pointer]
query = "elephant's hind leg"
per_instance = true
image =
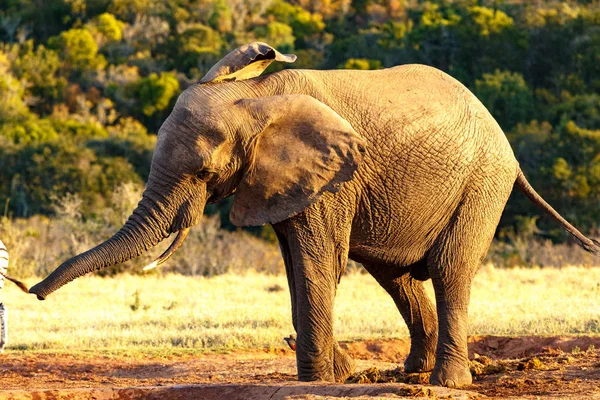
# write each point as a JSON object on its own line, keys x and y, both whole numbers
{"x": 453, "y": 262}
{"x": 416, "y": 309}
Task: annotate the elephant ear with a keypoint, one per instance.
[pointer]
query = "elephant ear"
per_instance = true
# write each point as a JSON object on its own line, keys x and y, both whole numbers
{"x": 245, "y": 62}
{"x": 304, "y": 150}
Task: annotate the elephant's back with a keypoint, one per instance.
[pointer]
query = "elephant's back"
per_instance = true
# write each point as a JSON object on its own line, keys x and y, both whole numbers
{"x": 414, "y": 109}
{"x": 417, "y": 100}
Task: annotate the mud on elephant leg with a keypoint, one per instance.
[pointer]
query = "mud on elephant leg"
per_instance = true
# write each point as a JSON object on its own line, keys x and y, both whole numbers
{"x": 416, "y": 310}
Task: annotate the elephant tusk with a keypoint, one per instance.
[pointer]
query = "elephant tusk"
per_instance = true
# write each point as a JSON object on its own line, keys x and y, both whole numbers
{"x": 181, "y": 235}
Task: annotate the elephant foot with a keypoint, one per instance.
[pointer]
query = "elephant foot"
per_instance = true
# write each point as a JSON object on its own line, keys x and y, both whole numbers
{"x": 343, "y": 364}
{"x": 315, "y": 368}
{"x": 451, "y": 375}
{"x": 328, "y": 369}
{"x": 418, "y": 363}
{"x": 422, "y": 354}
{"x": 312, "y": 375}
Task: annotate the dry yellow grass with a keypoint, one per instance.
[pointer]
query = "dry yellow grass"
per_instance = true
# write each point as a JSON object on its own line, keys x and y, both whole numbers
{"x": 174, "y": 313}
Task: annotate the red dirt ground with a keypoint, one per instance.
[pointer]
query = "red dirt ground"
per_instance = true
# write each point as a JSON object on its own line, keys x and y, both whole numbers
{"x": 520, "y": 367}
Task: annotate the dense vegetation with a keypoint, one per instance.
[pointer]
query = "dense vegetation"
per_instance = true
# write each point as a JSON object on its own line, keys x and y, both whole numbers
{"x": 85, "y": 84}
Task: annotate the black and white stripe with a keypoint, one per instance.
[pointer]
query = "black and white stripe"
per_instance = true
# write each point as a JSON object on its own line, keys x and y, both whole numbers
{"x": 3, "y": 263}
{"x": 3, "y": 255}
{"x": 3, "y": 311}
{"x": 3, "y": 326}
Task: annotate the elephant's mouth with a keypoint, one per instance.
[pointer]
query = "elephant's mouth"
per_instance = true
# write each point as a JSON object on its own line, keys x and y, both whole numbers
{"x": 181, "y": 235}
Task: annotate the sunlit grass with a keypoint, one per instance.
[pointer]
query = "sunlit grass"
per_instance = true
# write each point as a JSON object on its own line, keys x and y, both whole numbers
{"x": 178, "y": 314}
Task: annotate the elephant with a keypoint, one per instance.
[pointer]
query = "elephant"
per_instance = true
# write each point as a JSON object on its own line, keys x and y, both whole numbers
{"x": 402, "y": 169}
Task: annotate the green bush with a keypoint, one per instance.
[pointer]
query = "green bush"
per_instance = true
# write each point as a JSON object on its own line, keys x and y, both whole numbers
{"x": 303, "y": 23}
{"x": 361, "y": 63}
{"x": 277, "y": 34}
{"x": 155, "y": 92}
{"x": 12, "y": 92}
{"x": 29, "y": 130}
{"x": 78, "y": 50}
{"x": 507, "y": 97}
{"x": 85, "y": 85}
{"x": 109, "y": 26}
{"x": 39, "y": 67}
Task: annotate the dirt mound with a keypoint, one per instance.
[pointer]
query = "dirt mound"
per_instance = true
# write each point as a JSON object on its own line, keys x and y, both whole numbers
{"x": 495, "y": 347}
{"x": 499, "y": 347}
{"x": 523, "y": 367}
{"x": 393, "y": 350}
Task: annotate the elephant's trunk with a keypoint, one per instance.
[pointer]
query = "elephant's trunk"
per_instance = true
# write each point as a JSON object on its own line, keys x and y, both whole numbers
{"x": 141, "y": 232}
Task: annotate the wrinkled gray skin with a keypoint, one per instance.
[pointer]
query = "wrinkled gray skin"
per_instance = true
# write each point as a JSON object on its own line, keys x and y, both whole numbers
{"x": 402, "y": 169}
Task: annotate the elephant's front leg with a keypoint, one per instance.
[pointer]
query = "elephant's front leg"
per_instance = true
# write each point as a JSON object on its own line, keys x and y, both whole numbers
{"x": 315, "y": 254}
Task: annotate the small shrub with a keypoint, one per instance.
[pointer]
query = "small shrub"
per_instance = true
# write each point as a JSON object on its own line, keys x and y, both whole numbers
{"x": 136, "y": 301}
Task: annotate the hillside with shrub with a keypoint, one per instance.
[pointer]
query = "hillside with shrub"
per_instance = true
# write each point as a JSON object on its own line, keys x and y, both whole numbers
{"x": 86, "y": 84}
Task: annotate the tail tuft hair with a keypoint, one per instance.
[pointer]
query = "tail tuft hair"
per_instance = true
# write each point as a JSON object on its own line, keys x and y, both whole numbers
{"x": 593, "y": 247}
{"x": 17, "y": 282}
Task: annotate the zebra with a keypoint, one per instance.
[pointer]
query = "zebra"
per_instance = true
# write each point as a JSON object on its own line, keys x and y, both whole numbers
{"x": 3, "y": 311}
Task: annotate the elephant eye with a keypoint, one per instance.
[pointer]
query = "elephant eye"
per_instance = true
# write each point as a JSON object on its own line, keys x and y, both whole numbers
{"x": 204, "y": 174}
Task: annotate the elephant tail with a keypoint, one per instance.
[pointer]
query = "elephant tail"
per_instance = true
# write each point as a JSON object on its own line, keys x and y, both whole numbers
{"x": 591, "y": 245}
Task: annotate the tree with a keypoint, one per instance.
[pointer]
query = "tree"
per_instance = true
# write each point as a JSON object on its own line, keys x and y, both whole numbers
{"x": 220, "y": 18}
{"x": 195, "y": 46}
{"x": 486, "y": 21}
{"x": 155, "y": 92}
{"x": 12, "y": 92}
{"x": 507, "y": 97}
{"x": 40, "y": 69}
{"x": 277, "y": 34}
{"x": 108, "y": 27}
{"x": 28, "y": 130}
{"x": 303, "y": 23}
{"x": 78, "y": 50}
{"x": 583, "y": 110}
{"x": 435, "y": 35}
{"x": 70, "y": 69}
{"x": 361, "y": 63}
